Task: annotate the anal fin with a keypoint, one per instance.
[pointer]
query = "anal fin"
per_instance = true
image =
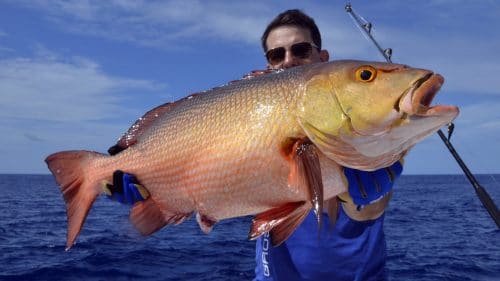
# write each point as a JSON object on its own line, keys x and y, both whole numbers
{"x": 148, "y": 217}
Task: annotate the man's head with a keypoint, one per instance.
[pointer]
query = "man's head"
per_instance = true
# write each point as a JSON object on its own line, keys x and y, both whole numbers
{"x": 292, "y": 39}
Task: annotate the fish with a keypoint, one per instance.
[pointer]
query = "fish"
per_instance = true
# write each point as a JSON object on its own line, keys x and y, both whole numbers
{"x": 272, "y": 146}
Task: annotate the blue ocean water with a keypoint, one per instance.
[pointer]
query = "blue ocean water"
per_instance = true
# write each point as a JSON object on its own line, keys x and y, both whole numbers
{"x": 436, "y": 229}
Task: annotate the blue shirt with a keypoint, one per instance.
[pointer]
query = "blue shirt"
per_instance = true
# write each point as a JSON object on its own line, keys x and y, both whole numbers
{"x": 354, "y": 250}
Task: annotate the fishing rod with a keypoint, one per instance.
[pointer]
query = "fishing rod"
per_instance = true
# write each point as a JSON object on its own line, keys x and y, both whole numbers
{"x": 366, "y": 28}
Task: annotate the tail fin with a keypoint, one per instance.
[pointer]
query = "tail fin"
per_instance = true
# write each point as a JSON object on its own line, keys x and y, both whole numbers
{"x": 79, "y": 192}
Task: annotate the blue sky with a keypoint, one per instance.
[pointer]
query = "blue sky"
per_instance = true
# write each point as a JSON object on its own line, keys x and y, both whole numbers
{"x": 76, "y": 74}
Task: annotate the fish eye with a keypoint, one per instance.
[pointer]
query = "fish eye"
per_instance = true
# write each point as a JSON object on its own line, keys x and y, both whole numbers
{"x": 366, "y": 73}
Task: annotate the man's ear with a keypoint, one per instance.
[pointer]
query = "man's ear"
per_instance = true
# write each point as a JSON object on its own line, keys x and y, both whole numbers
{"x": 324, "y": 55}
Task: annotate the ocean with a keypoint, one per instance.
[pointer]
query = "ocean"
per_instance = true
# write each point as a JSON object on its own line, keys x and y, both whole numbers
{"x": 436, "y": 229}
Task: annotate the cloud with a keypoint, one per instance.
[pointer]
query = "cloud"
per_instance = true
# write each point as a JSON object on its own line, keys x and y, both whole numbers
{"x": 477, "y": 135}
{"x": 442, "y": 32}
{"x": 47, "y": 88}
{"x": 465, "y": 60}
{"x": 482, "y": 116}
{"x": 4, "y": 49}
{"x": 50, "y": 103}
{"x": 433, "y": 34}
{"x": 475, "y": 139}
{"x": 33, "y": 137}
{"x": 156, "y": 24}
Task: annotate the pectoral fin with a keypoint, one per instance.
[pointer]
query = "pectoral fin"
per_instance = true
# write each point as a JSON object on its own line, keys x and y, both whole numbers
{"x": 332, "y": 207}
{"x": 306, "y": 171}
{"x": 280, "y": 221}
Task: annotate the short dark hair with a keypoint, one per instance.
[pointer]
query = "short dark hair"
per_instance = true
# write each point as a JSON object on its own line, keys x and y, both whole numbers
{"x": 293, "y": 17}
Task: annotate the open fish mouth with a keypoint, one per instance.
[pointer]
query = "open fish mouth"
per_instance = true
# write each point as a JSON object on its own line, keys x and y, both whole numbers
{"x": 418, "y": 98}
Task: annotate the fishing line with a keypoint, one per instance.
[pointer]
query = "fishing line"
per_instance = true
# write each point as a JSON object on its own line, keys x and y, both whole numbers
{"x": 366, "y": 28}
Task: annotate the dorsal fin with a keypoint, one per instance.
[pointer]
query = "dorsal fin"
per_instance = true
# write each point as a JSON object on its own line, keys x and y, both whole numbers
{"x": 130, "y": 137}
{"x": 142, "y": 124}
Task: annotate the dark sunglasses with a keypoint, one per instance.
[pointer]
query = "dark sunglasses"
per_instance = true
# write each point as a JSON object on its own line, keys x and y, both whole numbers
{"x": 302, "y": 50}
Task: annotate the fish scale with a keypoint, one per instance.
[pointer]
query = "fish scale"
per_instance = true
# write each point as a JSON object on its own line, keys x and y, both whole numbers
{"x": 211, "y": 157}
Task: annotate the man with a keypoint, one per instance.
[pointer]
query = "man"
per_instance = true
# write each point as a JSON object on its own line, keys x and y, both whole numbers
{"x": 353, "y": 248}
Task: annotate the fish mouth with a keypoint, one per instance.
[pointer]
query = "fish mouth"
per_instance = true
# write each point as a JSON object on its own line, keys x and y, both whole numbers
{"x": 418, "y": 98}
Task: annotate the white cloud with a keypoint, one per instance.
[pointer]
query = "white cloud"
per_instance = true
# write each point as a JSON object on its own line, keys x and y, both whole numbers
{"x": 477, "y": 135}
{"x": 475, "y": 138}
{"x": 442, "y": 38}
{"x": 56, "y": 90}
{"x": 49, "y": 103}
{"x": 63, "y": 101}
{"x": 158, "y": 24}
{"x": 481, "y": 115}
{"x": 4, "y": 49}
{"x": 432, "y": 36}
{"x": 467, "y": 63}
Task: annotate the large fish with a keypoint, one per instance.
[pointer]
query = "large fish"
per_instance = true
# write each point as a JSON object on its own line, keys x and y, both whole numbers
{"x": 271, "y": 146}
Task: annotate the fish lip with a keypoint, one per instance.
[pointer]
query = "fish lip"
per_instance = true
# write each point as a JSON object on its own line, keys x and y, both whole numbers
{"x": 418, "y": 98}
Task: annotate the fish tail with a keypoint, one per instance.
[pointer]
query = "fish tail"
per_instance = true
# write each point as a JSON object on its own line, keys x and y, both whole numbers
{"x": 79, "y": 191}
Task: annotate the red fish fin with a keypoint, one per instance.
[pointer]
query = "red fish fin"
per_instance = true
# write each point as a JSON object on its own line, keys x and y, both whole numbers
{"x": 206, "y": 223}
{"x": 280, "y": 221}
{"x": 137, "y": 129}
{"x": 306, "y": 171}
{"x": 332, "y": 207}
{"x": 282, "y": 231}
{"x": 79, "y": 192}
{"x": 255, "y": 73}
{"x": 142, "y": 124}
{"x": 148, "y": 217}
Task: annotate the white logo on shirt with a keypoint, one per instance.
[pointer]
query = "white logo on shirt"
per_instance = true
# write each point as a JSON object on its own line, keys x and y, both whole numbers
{"x": 265, "y": 254}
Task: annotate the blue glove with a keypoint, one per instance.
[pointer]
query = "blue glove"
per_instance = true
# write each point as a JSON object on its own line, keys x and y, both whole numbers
{"x": 125, "y": 189}
{"x": 368, "y": 187}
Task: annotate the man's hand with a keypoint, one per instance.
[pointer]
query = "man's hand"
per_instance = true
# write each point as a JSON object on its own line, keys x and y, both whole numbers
{"x": 365, "y": 188}
{"x": 125, "y": 189}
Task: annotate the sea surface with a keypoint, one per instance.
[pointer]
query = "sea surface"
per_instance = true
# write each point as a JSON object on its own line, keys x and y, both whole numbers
{"x": 436, "y": 229}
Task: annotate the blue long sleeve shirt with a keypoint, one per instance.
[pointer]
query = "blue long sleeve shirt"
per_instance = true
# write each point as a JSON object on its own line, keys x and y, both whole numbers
{"x": 354, "y": 250}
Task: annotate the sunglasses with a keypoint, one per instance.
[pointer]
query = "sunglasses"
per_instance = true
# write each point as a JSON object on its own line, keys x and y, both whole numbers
{"x": 302, "y": 50}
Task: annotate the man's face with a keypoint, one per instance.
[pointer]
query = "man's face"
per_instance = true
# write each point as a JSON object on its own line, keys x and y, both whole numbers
{"x": 286, "y": 36}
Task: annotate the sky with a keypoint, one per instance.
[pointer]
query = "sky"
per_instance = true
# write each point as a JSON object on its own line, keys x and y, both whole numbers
{"x": 77, "y": 74}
